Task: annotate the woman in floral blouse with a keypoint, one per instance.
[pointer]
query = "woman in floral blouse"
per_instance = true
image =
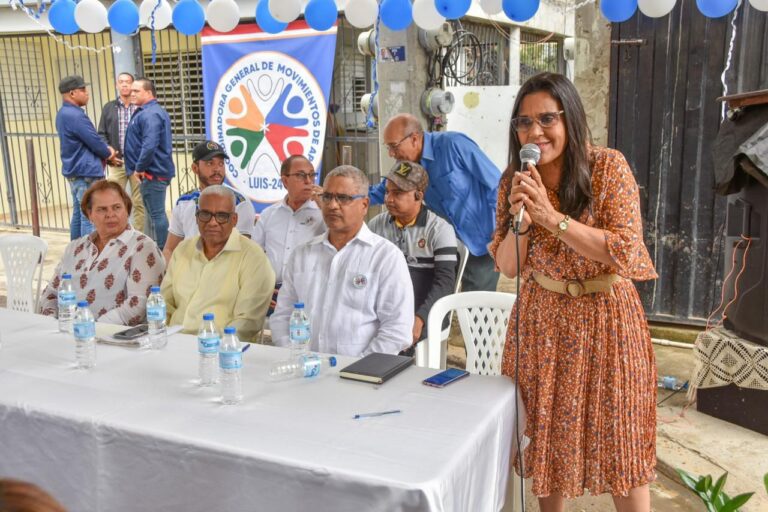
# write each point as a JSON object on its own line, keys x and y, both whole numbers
{"x": 585, "y": 364}
{"x": 112, "y": 268}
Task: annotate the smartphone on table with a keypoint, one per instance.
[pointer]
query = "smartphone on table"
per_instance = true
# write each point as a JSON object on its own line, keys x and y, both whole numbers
{"x": 445, "y": 377}
{"x": 132, "y": 333}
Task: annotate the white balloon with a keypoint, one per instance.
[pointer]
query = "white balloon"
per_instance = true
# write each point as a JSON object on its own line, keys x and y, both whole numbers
{"x": 491, "y": 6}
{"x": 361, "y": 13}
{"x": 284, "y": 10}
{"x": 760, "y": 5}
{"x": 163, "y": 14}
{"x": 655, "y": 8}
{"x": 91, "y": 16}
{"x": 426, "y": 15}
{"x": 223, "y": 15}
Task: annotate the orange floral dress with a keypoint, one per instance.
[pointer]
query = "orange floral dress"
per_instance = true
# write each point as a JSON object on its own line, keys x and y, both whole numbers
{"x": 587, "y": 372}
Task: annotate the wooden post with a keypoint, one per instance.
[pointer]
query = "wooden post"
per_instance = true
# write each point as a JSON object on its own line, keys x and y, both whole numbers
{"x": 33, "y": 187}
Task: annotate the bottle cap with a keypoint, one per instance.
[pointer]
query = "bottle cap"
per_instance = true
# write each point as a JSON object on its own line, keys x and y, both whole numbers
{"x": 82, "y": 304}
{"x": 155, "y": 289}
{"x": 229, "y": 330}
{"x": 299, "y": 305}
{"x": 66, "y": 276}
{"x": 208, "y": 316}
{"x": 332, "y": 361}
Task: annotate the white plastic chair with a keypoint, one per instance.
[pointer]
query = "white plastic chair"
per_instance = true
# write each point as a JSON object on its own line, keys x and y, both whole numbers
{"x": 483, "y": 318}
{"x": 23, "y": 257}
{"x": 421, "y": 349}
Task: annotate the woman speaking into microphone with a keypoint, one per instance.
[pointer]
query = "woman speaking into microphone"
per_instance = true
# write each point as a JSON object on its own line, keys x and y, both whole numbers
{"x": 584, "y": 361}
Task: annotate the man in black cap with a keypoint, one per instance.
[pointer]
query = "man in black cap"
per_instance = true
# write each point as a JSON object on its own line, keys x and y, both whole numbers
{"x": 208, "y": 164}
{"x": 83, "y": 152}
{"x": 428, "y": 242}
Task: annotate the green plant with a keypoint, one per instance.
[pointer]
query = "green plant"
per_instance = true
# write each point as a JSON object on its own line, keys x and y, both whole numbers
{"x": 713, "y": 495}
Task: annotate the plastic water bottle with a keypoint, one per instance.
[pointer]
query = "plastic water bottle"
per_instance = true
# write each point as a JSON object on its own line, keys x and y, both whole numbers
{"x": 299, "y": 331}
{"x": 230, "y": 364}
{"x": 673, "y": 383}
{"x": 208, "y": 342}
{"x": 158, "y": 338}
{"x": 306, "y": 365}
{"x": 67, "y": 303}
{"x": 84, "y": 329}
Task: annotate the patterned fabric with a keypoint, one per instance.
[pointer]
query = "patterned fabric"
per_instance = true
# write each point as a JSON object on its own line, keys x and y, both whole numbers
{"x": 124, "y": 113}
{"x": 115, "y": 282}
{"x": 587, "y": 373}
{"x": 723, "y": 358}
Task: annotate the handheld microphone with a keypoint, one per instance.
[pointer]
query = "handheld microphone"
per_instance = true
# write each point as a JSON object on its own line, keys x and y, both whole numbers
{"x": 529, "y": 154}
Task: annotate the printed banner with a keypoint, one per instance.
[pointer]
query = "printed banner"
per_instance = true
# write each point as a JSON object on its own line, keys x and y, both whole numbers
{"x": 266, "y": 98}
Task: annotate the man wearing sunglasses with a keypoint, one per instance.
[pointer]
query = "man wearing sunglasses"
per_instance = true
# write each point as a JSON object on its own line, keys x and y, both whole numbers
{"x": 354, "y": 284}
{"x": 294, "y": 220}
{"x": 220, "y": 272}
{"x": 208, "y": 163}
{"x": 463, "y": 188}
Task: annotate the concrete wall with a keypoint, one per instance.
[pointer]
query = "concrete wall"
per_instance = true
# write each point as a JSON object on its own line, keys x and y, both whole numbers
{"x": 592, "y": 68}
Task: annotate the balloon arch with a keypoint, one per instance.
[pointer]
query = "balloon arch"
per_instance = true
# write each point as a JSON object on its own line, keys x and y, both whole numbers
{"x": 189, "y": 16}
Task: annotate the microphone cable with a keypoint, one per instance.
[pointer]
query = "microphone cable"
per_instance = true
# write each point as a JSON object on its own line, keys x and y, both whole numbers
{"x": 515, "y": 229}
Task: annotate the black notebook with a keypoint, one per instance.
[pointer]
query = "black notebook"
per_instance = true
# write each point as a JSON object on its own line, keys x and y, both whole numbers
{"x": 376, "y": 368}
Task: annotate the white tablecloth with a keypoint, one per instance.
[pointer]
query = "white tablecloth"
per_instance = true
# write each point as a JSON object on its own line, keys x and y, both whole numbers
{"x": 136, "y": 433}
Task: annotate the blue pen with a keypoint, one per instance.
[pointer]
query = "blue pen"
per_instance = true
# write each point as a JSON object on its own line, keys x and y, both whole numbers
{"x": 245, "y": 348}
{"x": 375, "y": 414}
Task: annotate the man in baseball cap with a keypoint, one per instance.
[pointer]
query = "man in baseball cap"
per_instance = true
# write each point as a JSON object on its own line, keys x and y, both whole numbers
{"x": 427, "y": 241}
{"x": 83, "y": 152}
{"x": 209, "y": 166}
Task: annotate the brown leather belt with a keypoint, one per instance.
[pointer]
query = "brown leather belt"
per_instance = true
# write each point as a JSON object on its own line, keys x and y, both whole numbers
{"x": 575, "y": 287}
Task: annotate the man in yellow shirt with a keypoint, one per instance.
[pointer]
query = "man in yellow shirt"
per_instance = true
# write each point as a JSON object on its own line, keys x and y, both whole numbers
{"x": 220, "y": 272}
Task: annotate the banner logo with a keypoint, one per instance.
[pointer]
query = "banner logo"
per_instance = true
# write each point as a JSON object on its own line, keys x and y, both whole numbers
{"x": 267, "y": 106}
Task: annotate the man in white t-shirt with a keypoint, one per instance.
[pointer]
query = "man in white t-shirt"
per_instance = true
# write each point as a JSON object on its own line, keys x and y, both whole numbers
{"x": 208, "y": 164}
{"x": 293, "y": 221}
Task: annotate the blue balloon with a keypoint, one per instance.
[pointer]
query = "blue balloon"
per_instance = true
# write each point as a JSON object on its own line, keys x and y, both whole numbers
{"x": 321, "y": 14}
{"x": 452, "y": 9}
{"x": 188, "y": 17}
{"x": 618, "y": 10}
{"x": 521, "y": 10}
{"x": 265, "y": 20}
{"x": 716, "y": 8}
{"x": 396, "y": 14}
{"x": 62, "y": 17}
{"x": 123, "y": 17}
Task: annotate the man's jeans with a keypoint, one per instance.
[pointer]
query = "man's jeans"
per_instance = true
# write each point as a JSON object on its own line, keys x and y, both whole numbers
{"x": 79, "y": 225}
{"x": 153, "y": 194}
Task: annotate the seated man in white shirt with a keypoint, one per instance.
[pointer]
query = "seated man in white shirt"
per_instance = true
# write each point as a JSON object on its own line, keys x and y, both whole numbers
{"x": 354, "y": 284}
{"x": 208, "y": 163}
{"x": 293, "y": 221}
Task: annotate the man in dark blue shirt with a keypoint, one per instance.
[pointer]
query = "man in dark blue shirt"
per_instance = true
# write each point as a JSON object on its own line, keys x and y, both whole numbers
{"x": 463, "y": 188}
{"x": 148, "y": 154}
{"x": 83, "y": 152}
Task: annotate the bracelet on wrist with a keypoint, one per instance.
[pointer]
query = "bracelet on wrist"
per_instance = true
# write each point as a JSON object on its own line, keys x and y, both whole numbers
{"x": 515, "y": 231}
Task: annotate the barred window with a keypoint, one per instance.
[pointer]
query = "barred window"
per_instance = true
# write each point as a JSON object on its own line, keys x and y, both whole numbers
{"x": 539, "y": 53}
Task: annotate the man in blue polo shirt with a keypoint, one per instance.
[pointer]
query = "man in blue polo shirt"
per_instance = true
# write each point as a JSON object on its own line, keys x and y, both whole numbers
{"x": 148, "y": 154}
{"x": 463, "y": 185}
{"x": 83, "y": 152}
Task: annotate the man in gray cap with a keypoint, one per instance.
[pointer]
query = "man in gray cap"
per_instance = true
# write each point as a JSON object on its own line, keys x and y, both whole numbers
{"x": 428, "y": 242}
{"x": 83, "y": 152}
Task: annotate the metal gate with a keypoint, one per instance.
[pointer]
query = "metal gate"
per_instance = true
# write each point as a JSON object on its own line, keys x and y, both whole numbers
{"x": 31, "y": 67}
{"x": 665, "y": 78}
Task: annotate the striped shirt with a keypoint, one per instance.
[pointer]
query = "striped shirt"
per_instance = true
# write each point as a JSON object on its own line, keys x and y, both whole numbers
{"x": 429, "y": 246}
{"x": 124, "y": 113}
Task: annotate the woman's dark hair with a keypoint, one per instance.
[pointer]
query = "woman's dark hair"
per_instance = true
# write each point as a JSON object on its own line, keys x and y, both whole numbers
{"x": 575, "y": 190}
{"x": 100, "y": 186}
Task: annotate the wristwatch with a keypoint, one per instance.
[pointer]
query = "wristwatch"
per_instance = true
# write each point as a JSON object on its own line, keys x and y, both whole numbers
{"x": 562, "y": 226}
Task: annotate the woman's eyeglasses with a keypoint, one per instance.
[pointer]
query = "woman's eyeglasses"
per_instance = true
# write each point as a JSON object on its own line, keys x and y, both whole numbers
{"x": 545, "y": 120}
{"x": 206, "y": 216}
{"x": 342, "y": 199}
